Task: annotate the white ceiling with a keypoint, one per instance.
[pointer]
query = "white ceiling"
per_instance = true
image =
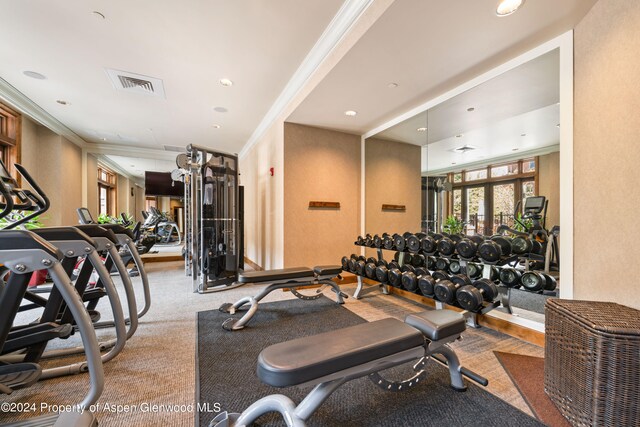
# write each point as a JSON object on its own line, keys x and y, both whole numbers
{"x": 428, "y": 47}
{"x": 189, "y": 45}
{"x": 136, "y": 167}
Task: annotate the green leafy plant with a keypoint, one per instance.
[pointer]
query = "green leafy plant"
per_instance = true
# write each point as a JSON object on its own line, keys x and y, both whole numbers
{"x": 453, "y": 225}
{"x": 130, "y": 221}
{"x": 528, "y": 222}
{"x": 106, "y": 219}
{"x": 32, "y": 224}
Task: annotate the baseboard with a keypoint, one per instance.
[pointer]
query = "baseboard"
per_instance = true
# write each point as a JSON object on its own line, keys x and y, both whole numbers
{"x": 148, "y": 258}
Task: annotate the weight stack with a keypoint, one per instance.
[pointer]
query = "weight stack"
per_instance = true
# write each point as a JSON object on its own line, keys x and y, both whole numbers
{"x": 591, "y": 369}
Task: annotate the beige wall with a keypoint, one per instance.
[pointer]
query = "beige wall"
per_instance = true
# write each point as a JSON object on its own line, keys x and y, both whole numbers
{"x": 122, "y": 194}
{"x": 320, "y": 165}
{"x": 607, "y": 153}
{"x": 71, "y": 182}
{"x": 549, "y": 185}
{"x": 140, "y": 203}
{"x": 392, "y": 176}
{"x": 92, "y": 185}
{"x": 264, "y": 199}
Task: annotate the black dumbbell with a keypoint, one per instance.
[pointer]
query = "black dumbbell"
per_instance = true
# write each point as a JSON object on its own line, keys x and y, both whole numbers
{"x": 426, "y": 284}
{"x": 461, "y": 280}
{"x": 473, "y": 270}
{"x": 393, "y": 264}
{"x": 360, "y": 268}
{"x": 382, "y": 273}
{"x": 478, "y": 239}
{"x": 431, "y": 263}
{"x": 455, "y": 267}
{"x": 536, "y": 281}
{"x": 370, "y": 270}
{"x": 387, "y": 241}
{"x": 410, "y": 281}
{"x": 421, "y": 271}
{"x": 445, "y": 291}
{"x": 371, "y": 259}
{"x": 395, "y": 277}
{"x": 381, "y": 262}
{"x": 408, "y": 258}
{"x": 440, "y": 275}
{"x": 467, "y": 248}
{"x": 446, "y": 246}
{"x": 399, "y": 242}
{"x": 345, "y": 263}
{"x": 418, "y": 260}
{"x": 429, "y": 245}
{"x": 368, "y": 241}
{"x": 521, "y": 245}
{"x": 413, "y": 242}
{"x": 510, "y": 277}
{"x": 377, "y": 241}
{"x": 505, "y": 244}
{"x": 471, "y": 297}
{"x": 490, "y": 251}
{"x": 407, "y": 267}
{"x": 359, "y": 241}
{"x": 442, "y": 264}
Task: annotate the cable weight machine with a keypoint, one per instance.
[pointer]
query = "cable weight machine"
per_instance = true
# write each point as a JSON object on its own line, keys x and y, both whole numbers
{"x": 213, "y": 217}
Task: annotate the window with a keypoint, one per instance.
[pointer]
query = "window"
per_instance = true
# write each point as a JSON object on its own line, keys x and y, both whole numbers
{"x": 150, "y": 202}
{"x": 528, "y": 189}
{"x": 457, "y": 177}
{"x": 9, "y": 143}
{"x": 504, "y": 170}
{"x": 457, "y": 203}
{"x": 475, "y": 175}
{"x": 106, "y": 192}
{"x": 528, "y": 165}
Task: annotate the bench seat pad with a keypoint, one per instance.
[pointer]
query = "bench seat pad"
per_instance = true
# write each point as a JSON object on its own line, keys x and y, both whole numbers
{"x": 274, "y": 275}
{"x": 327, "y": 270}
{"x": 437, "y": 324}
{"x": 309, "y": 358}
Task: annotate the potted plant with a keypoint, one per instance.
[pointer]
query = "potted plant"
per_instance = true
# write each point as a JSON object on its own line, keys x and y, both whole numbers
{"x": 453, "y": 225}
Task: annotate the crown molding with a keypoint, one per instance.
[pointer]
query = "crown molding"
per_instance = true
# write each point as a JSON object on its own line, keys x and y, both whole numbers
{"x": 127, "y": 151}
{"x": 339, "y": 26}
{"x": 27, "y": 107}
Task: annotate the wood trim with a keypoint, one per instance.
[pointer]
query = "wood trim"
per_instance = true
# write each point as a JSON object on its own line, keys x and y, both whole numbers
{"x": 253, "y": 265}
{"x": 386, "y": 207}
{"x": 330, "y": 205}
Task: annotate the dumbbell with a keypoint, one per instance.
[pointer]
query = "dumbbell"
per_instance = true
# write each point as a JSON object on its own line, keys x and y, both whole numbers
{"x": 477, "y": 239}
{"x": 429, "y": 244}
{"x": 370, "y": 270}
{"x": 426, "y": 284}
{"x": 536, "y": 281}
{"x": 510, "y": 277}
{"x": 466, "y": 248}
{"x": 407, "y": 267}
{"x": 505, "y": 244}
{"x": 345, "y": 263}
{"x": 431, "y": 263}
{"x": 490, "y": 251}
{"x": 395, "y": 277}
{"x": 410, "y": 281}
{"x": 442, "y": 264}
{"x": 387, "y": 241}
{"x": 408, "y": 258}
{"x": 418, "y": 260}
{"x": 371, "y": 259}
{"x": 471, "y": 297}
{"x": 360, "y": 267}
{"x": 456, "y": 237}
{"x": 445, "y": 290}
{"x": 377, "y": 240}
{"x": 446, "y": 246}
{"x": 368, "y": 241}
{"x": 441, "y": 275}
{"x": 353, "y": 261}
{"x": 400, "y": 242}
{"x": 413, "y": 242}
{"x": 473, "y": 270}
{"x": 455, "y": 267}
{"x": 359, "y": 241}
{"x": 521, "y": 245}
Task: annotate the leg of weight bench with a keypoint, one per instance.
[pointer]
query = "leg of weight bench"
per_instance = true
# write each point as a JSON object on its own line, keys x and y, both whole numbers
{"x": 274, "y": 403}
{"x": 316, "y": 397}
{"x": 358, "y": 291}
{"x": 453, "y": 364}
{"x": 335, "y": 287}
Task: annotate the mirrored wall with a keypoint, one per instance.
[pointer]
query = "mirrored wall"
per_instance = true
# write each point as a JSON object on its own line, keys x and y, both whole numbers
{"x": 483, "y": 165}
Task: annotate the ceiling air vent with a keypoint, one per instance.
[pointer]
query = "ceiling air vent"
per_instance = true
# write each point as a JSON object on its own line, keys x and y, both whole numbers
{"x": 463, "y": 149}
{"x": 135, "y": 83}
{"x": 175, "y": 148}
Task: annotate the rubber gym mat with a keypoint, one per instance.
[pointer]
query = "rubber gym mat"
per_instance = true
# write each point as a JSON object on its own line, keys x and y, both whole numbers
{"x": 226, "y": 376}
{"x": 527, "y": 374}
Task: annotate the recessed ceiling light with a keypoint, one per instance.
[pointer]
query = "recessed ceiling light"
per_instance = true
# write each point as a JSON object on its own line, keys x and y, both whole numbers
{"x": 226, "y": 82}
{"x": 514, "y": 149}
{"x": 62, "y": 102}
{"x": 98, "y": 14}
{"x": 470, "y": 109}
{"x": 523, "y": 134}
{"x": 507, "y": 7}
{"x": 421, "y": 129}
{"x": 217, "y": 126}
{"x": 350, "y": 113}
{"x": 220, "y": 109}
{"x": 34, "y": 75}
{"x": 103, "y": 139}
{"x": 392, "y": 85}
{"x": 453, "y": 163}
{"x": 459, "y": 135}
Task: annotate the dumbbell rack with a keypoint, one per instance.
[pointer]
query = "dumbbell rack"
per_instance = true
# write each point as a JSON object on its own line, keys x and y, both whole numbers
{"x": 361, "y": 290}
{"x": 504, "y": 293}
{"x": 470, "y": 316}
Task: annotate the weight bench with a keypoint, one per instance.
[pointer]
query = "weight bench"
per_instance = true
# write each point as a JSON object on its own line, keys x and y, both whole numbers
{"x": 292, "y": 278}
{"x": 329, "y": 360}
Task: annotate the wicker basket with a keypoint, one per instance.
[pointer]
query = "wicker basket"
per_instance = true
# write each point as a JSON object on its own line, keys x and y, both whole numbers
{"x": 592, "y": 362}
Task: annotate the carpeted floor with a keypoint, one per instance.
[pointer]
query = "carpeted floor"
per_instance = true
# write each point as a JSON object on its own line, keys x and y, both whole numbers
{"x": 227, "y": 363}
{"x": 158, "y": 363}
{"x": 527, "y": 373}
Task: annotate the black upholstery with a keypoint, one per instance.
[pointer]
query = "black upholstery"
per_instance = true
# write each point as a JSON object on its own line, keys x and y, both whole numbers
{"x": 119, "y": 229}
{"x": 437, "y": 324}
{"x": 306, "y": 359}
{"x": 274, "y": 275}
{"x": 327, "y": 270}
